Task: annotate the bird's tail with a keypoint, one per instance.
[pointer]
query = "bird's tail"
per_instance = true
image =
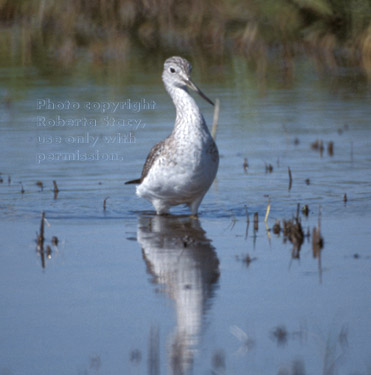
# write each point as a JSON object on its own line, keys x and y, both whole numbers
{"x": 137, "y": 181}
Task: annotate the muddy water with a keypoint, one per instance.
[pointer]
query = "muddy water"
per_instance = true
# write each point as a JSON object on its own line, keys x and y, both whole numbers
{"x": 126, "y": 291}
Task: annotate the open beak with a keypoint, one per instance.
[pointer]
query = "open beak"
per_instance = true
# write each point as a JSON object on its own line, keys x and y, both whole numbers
{"x": 192, "y": 86}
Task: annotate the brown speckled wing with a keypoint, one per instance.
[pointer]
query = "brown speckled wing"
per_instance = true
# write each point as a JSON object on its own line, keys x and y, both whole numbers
{"x": 151, "y": 158}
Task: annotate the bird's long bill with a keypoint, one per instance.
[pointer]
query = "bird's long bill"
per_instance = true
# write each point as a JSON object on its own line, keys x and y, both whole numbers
{"x": 192, "y": 86}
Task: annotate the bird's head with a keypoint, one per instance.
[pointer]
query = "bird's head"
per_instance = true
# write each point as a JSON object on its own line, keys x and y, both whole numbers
{"x": 177, "y": 73}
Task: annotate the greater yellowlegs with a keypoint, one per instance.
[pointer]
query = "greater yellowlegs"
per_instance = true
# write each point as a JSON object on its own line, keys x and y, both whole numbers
{"x": 181, "y": 168}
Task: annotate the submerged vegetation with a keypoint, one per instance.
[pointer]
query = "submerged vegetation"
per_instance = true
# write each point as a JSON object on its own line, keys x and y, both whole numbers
{"x": 336, "y": 33}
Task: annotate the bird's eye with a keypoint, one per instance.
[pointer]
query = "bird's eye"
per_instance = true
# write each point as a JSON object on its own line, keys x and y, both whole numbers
{"x": 172, "y": 70}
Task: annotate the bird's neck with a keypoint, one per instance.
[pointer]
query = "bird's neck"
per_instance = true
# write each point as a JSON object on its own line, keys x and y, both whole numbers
{"x": 187, "y": 112}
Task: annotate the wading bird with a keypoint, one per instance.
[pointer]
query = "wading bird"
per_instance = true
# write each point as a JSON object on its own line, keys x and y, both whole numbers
{"x": 181, "y": 168}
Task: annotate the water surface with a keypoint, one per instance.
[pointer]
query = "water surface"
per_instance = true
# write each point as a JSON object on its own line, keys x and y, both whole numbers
{"x": 127, "y": 291}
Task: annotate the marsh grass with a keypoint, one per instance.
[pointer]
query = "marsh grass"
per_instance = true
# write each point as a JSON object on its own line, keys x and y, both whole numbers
{"x": 336, "y": 33}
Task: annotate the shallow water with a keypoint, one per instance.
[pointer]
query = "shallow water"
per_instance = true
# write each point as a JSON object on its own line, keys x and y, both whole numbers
{"x": 127, "y": 291}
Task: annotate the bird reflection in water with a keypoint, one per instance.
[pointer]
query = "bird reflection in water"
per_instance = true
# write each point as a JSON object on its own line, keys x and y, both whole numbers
{"x": 183, "y": 262}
